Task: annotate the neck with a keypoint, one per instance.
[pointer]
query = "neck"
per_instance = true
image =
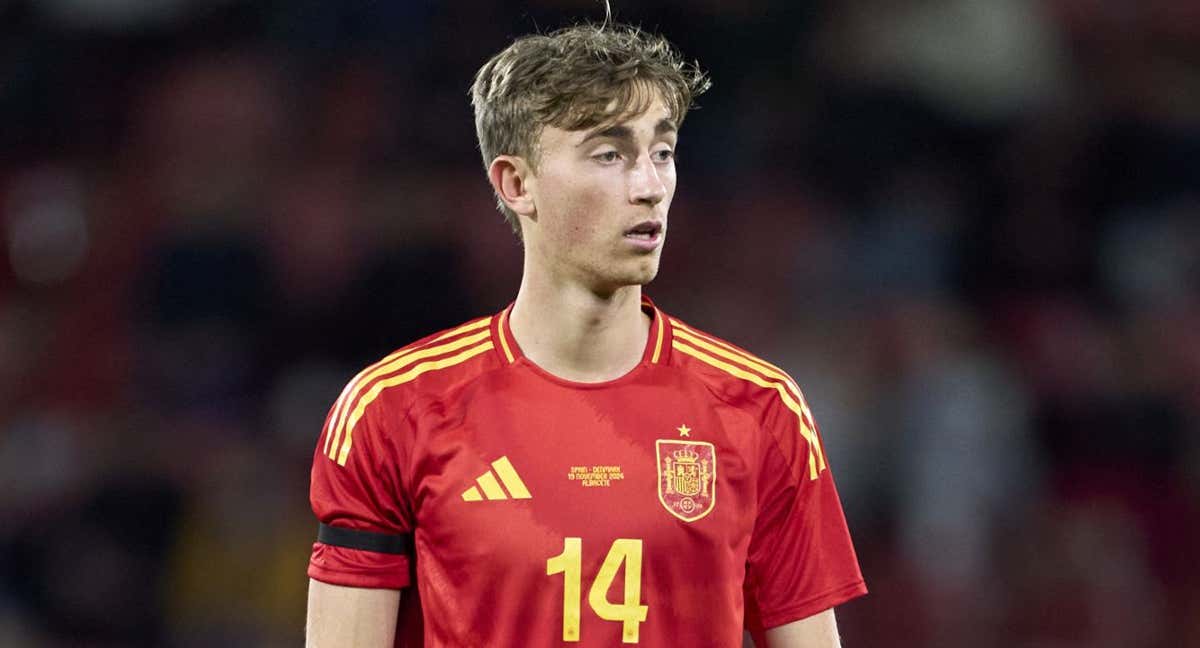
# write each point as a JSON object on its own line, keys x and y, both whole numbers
{"x": 577, "y": 334}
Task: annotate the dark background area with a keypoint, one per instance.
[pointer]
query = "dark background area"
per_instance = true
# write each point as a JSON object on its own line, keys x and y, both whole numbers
{"x": 969, "y": 228}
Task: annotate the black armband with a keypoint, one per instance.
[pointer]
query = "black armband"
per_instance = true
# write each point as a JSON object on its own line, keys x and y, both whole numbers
{"x": 365, "y": 540}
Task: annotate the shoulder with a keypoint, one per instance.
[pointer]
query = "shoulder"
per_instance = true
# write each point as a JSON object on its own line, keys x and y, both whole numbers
{"x": 730, "y": 369}
{"x": 747, "y": 381}
{"x": 433, "y": 365}
{"x": 436, "y": 362}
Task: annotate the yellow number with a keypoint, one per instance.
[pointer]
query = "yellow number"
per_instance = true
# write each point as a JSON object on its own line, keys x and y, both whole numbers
{"x": 629, "y": 612}
{"x": 567, "y": 563}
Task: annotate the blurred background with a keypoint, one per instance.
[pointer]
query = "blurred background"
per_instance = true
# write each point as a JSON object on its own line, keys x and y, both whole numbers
{"x": 969, "y": 228}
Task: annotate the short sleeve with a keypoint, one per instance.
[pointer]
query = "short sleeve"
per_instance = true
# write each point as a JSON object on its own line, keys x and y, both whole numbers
{"x": 357, "y": 496}
{"x": 801, "y": 560}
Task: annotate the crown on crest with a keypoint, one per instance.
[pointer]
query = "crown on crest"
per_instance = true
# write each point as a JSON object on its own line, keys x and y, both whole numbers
{"x": 686, "y": 455}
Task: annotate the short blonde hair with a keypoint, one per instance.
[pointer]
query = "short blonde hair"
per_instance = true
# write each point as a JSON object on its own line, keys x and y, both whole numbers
{"x": 575, "y": 78}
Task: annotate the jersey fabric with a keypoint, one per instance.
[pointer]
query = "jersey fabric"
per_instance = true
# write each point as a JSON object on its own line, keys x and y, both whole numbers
{"x": 528, "y": 510}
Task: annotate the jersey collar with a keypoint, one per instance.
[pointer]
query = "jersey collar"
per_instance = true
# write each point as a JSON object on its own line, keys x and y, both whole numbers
{"x": 658, "y": 344}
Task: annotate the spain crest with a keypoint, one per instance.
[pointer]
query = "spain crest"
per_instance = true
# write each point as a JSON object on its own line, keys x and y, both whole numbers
{"x": 687, "y": 477}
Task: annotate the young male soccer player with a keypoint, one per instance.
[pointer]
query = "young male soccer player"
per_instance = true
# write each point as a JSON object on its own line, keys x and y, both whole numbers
{"x": 579, "y": 468}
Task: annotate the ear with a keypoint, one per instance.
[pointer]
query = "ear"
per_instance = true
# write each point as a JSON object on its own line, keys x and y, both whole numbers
{"x": 511, "y": 178}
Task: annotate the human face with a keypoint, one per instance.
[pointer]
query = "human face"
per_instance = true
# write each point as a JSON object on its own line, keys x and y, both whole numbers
{"x": 600, "y": 200}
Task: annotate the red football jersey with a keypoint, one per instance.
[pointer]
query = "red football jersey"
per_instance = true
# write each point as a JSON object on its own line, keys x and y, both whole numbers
{"x": 533, "y": 511}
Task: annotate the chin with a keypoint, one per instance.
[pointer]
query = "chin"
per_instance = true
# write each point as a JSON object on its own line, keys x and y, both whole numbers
{"x": 641, "y": 276}
{"x": 616, "y": 281}
{"x": 624, "y": 273}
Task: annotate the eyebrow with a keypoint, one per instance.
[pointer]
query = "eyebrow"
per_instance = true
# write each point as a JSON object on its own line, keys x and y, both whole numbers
{"x": 622, "y": 132}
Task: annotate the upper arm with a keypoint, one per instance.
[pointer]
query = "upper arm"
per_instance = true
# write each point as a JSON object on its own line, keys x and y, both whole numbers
{"x": 350, "y": 616}
{"x": 801, "y": 560}
{"x": 360, "y": 500}
{"x": 363, "y": 553}
{"x": 817, "y": 631}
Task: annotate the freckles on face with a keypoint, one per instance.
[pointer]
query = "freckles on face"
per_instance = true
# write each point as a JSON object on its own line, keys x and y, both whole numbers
{"x": 570, "y": 199}
{"x": 580, "y": 203}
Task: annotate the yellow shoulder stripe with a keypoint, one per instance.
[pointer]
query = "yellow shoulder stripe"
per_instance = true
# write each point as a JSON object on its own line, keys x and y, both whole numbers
{"x": 398, "y": 363}
{"x": 393, "y": 362}
{"x": 756, "y": 362}
{"x": 377, "y": 388}
{"x": 816, "y": 460}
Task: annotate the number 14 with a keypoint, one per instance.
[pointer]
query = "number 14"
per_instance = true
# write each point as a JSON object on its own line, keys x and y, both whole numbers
{"x": 630, "y": 612}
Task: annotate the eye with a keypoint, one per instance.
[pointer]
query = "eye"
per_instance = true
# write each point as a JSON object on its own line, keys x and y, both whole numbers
{"x": 607, "y": 157}
{"x": 663, "y": 155}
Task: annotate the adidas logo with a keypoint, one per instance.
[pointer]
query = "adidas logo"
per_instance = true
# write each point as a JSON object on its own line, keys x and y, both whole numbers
{"x": 490, "y": 486}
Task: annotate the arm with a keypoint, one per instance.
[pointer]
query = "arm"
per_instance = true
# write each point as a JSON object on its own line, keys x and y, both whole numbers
{"x": 350, "y": 616}
{"x": 801, "y": 562}
{"x": 817, "y": 631}
{"x": 363, "y": 554}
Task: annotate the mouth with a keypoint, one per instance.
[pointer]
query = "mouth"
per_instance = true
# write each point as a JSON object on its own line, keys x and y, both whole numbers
{"x": 645, "y": 231}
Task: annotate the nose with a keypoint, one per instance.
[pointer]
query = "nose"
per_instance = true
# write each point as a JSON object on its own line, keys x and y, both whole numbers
{"x": 646, "y": 185}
